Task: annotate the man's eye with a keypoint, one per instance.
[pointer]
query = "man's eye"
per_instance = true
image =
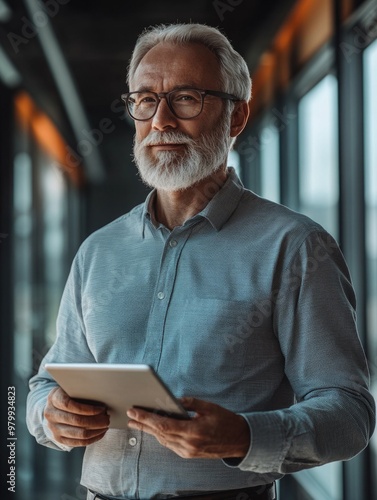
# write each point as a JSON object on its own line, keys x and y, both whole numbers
{"x": 146, "y": 100}
{"x": 186, "y": 98}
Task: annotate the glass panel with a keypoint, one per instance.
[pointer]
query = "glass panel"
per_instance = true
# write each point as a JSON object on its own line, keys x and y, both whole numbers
{"x": 370, "y": 79}
{"x": 23, "y": 301}
{"x": 22, "y": 265}
{"x": 39, "y": 271}
{"x": 318, "y": 154}
{"x": 270, "y": 163}
{"x": 322, "y": 483}
{"x": 234, "y": 161}
{"x": 319, "y": 195}
{"x": 53, "y": 190}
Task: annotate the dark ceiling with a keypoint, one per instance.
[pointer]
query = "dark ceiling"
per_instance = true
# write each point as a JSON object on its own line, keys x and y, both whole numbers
{"x": 96, "y": 38}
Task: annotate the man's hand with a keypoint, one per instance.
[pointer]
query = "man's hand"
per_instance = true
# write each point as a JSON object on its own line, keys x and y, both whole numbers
{"x": 72, "y": 423}
{"x": 213, "y": 432}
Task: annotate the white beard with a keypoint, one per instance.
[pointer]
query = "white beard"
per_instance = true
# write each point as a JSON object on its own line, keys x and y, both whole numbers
{"x": 176, "y": 170}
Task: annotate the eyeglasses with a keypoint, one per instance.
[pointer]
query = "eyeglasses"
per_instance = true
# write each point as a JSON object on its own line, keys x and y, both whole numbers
{"x": 183, "y": 103}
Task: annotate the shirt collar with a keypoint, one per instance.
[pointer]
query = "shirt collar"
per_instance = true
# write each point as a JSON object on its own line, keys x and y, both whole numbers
{"x": 225, "y": 201}
{"x": 218, "y": 210}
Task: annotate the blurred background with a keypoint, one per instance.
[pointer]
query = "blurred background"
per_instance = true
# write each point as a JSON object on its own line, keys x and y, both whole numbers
{"x": 66, "y": 170}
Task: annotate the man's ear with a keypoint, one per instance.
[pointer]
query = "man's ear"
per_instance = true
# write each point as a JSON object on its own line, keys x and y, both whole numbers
{"x": 239, "y": 118}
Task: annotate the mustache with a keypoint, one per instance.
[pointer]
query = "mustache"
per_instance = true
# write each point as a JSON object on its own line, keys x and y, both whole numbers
{"x": 166, "y": 138}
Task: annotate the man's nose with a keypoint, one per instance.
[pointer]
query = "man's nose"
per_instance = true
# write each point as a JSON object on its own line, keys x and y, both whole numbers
{"x": 164, "y": 117}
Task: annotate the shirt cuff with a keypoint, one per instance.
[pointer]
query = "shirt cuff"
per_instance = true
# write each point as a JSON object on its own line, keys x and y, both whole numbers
{"x": 268, "y": 444}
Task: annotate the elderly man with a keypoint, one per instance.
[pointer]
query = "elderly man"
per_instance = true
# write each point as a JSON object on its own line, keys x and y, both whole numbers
{"x": 243, "y": 307}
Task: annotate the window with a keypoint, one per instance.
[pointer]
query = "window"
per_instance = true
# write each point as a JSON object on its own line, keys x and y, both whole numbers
{"x": 318, "y": 154}
{"x": 23, "y": 320}
{"x": 370, "y": 86}
{"x": 54, "y": 223}
{"x": 40, "y": 268}
{"x": 270, "y": 163}
{"x": 318, "y": 198}
{"x": 234, "y": 161}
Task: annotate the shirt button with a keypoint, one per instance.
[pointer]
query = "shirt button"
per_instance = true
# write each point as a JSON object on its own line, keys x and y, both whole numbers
{"x": 173, "y": 243}
{"x": 160, "y": 295}
{"x": 132, "y": 441}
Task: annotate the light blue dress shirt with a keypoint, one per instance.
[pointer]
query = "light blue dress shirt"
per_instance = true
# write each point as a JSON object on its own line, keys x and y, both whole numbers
{"x": 248, "y": 305}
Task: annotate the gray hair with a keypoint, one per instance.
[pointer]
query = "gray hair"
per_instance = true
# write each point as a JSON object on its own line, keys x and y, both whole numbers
{"x": 235, "y": 77}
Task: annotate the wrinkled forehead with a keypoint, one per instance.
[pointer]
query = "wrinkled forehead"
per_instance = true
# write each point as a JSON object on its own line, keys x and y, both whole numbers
{"x": 169, "y": 64}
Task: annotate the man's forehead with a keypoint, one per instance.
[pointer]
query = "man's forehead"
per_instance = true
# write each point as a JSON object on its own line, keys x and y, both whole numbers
{"x": 189, "y": 64}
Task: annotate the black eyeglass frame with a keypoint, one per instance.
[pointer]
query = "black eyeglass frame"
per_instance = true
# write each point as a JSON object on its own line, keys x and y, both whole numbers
{"x": 223, "y": 95}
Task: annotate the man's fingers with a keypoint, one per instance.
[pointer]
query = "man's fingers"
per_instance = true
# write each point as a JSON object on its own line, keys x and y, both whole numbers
{"x": 214, "y": 432}
{"x": 167, "y": 439}
{"x": 60, "y": 400}
{"x": 56, "y": 416}
{"x": 182, "y": 445}
{"x": 78, "y": 433}
{"x": 154, "y": 428}
{"x": 73, "y": 423}
{"x": 70, "y": 438}
{"x": 143, "y": 420}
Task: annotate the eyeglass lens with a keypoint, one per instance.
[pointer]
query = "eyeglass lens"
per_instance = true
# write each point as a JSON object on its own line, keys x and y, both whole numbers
{"x": 186, "y": 103}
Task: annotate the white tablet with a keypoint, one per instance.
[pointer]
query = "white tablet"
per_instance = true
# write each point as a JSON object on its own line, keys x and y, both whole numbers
{"x": 119, "y": 387}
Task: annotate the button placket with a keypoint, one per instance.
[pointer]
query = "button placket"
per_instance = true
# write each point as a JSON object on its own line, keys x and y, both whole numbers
{"x": 172, "y": 244}
{"x": 164, "y": 287}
